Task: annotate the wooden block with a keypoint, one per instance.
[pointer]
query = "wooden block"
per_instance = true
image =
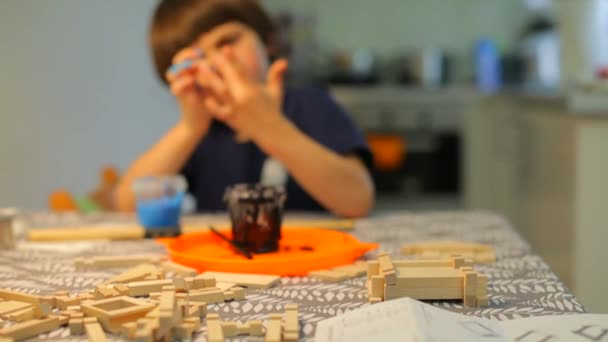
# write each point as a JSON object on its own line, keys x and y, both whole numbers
{"x": 63, "y": 320}
{"x": 136, "y": 273}
{"x": 63, "y": 302}
{"x": 255, "y": 281}
{"x": 50, "y": 300}
{"x": 165, "y": 324}
{"x": 41, "y": 307}
{"x": 215, "y": 333}
{"x": 197, "y": 309}
{"x": 329, "y": 276}
{"x": 292, "y": 325}
{"x": 85, "y": 296}
{"x": 422, "y": 263}
{"x": 89, "y": 320}
{"x": 104, "y": 292}
{"x": 470, "y": 285}
{"x": 477, "y": 252}
{"x": 21, "y": 315}
{"x": 390, "y": 278}
{"x": 180, "y": 284}
{"x": 195, "y": 321}
{"x": 122, "y": 289}
{"x": 392, "y": 292}
{"x": 377, "y": 287}
{"x": 386, "y": 264}
{"x": 32, "y": 328}
{"x": 205, "y": 280}
{"x": 374, "y": 300}
{"x": 229, "y": 328}
{"x": 73, "y": 308}
{"x": 239, "y": 292}
{"x": 94, "y": 331}
{"x": 178, "y": 269}
{"x": 144, "y": 288}
{"x": 458, "y": 262}
{"x": 483, "y": 301}
{"x": 273, "y": 329}
{"x": 128, "y": 330}
{"x": 373, "y": 268}
{"x": 242, "y": 328}
{"x": 353, "y": 271}
{"x": 482, "y": 282}
{"x": 80, "y": 263}
{"x": 256, "y": 328}
{"x": 228, "y": 295}
{"x": 470, "y": 301}
{"x": 433, "y": 277}
{"x": 167, "y": 301}
{"x": 120, "y": 261}
{"x": 193, "y": 311}
{"x": 10, "y": 306}
{"x": 290, "y": 337}
{"x": 209, "y": 296}
{"x": 116, "y": 311}
{"x": 224, "y": 286}
{"x": 183, "y": 331}
{"x": 76, "y": 326}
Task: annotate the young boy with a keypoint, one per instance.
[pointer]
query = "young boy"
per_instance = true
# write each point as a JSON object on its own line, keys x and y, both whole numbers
{"x": 227, "y": 89}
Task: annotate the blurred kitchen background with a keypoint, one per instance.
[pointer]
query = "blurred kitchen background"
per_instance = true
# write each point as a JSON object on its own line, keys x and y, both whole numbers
{"x": 497, "y": 105}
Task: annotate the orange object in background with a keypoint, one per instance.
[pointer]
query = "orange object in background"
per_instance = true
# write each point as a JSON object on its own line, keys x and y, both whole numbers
{"x": 301, "y": 250}
{"x": 62, "y": 201}
{"x": 103, "y": 195}
{"x": 109, "y": 176}
{"x": 389, "y": 150}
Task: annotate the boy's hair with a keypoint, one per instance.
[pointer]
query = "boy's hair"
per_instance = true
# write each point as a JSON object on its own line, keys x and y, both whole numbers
{"x": 178, "y": 23}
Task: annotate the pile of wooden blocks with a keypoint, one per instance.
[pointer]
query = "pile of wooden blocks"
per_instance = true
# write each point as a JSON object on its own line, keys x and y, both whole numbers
{"x": 165, "y": 308}
{"x": 442, "y": 279}
{"x": 280, "y": 327}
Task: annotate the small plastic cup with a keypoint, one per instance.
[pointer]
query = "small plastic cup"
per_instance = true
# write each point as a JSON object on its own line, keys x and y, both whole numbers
{"x": 159, "y": 202}
{"x": 256, "y": 214}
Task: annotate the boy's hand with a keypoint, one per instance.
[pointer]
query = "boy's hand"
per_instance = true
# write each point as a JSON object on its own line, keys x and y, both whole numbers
{"x": 189, "y": 94}
{"x": 251, "y": 108}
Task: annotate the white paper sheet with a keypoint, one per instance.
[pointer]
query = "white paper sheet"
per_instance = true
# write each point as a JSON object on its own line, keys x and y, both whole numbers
{"x": 406, "y": 319}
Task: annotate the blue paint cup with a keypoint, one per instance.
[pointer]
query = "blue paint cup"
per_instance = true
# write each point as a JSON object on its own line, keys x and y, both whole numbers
{"x": 159, "y": 203}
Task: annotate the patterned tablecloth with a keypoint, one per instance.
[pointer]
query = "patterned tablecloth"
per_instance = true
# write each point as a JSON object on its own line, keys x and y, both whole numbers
{"x": 520, "y": 283}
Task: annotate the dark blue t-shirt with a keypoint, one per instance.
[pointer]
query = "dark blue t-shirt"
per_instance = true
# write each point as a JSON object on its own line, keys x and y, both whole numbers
{"x": 220, "y": 161}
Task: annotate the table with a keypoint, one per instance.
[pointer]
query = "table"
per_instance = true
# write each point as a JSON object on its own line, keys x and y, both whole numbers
{"x": 520, "y": 283}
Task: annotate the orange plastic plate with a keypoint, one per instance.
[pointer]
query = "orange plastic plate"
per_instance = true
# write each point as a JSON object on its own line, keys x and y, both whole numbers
{"x": 301, "y": 250}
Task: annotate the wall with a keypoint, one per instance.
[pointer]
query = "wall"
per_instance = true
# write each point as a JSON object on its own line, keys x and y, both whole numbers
{"x": 77, "y": 88}
{"x": 390, "y": 26}
{"x": 77, "y": 91}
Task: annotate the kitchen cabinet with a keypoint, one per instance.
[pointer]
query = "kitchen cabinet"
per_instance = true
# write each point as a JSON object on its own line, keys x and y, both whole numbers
{"x": 546, "y": 169}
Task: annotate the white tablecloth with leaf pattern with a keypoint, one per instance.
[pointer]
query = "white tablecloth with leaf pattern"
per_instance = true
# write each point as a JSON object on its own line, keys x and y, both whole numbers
{"x": 520, "y": 283}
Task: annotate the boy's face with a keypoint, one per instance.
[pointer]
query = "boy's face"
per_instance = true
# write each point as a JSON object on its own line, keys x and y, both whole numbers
{"x": 245, "y": 47}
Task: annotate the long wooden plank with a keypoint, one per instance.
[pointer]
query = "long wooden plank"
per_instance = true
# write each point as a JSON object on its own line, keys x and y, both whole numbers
{"x": 135, "y": 232}
{"x": 35, "y": 327}
{"x": 254, "y": 281}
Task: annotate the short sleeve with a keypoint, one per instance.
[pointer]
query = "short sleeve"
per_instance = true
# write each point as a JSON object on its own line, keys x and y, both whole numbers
{"x": 325, "y": 121}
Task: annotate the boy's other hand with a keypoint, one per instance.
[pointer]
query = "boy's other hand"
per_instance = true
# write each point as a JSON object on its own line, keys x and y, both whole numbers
{"x": 190, "y": 96}
{"x": 251, "y": 108}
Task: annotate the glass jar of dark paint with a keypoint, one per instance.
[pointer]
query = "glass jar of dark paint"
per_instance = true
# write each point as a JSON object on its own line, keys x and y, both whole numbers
{"x": 256, "y": 213}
